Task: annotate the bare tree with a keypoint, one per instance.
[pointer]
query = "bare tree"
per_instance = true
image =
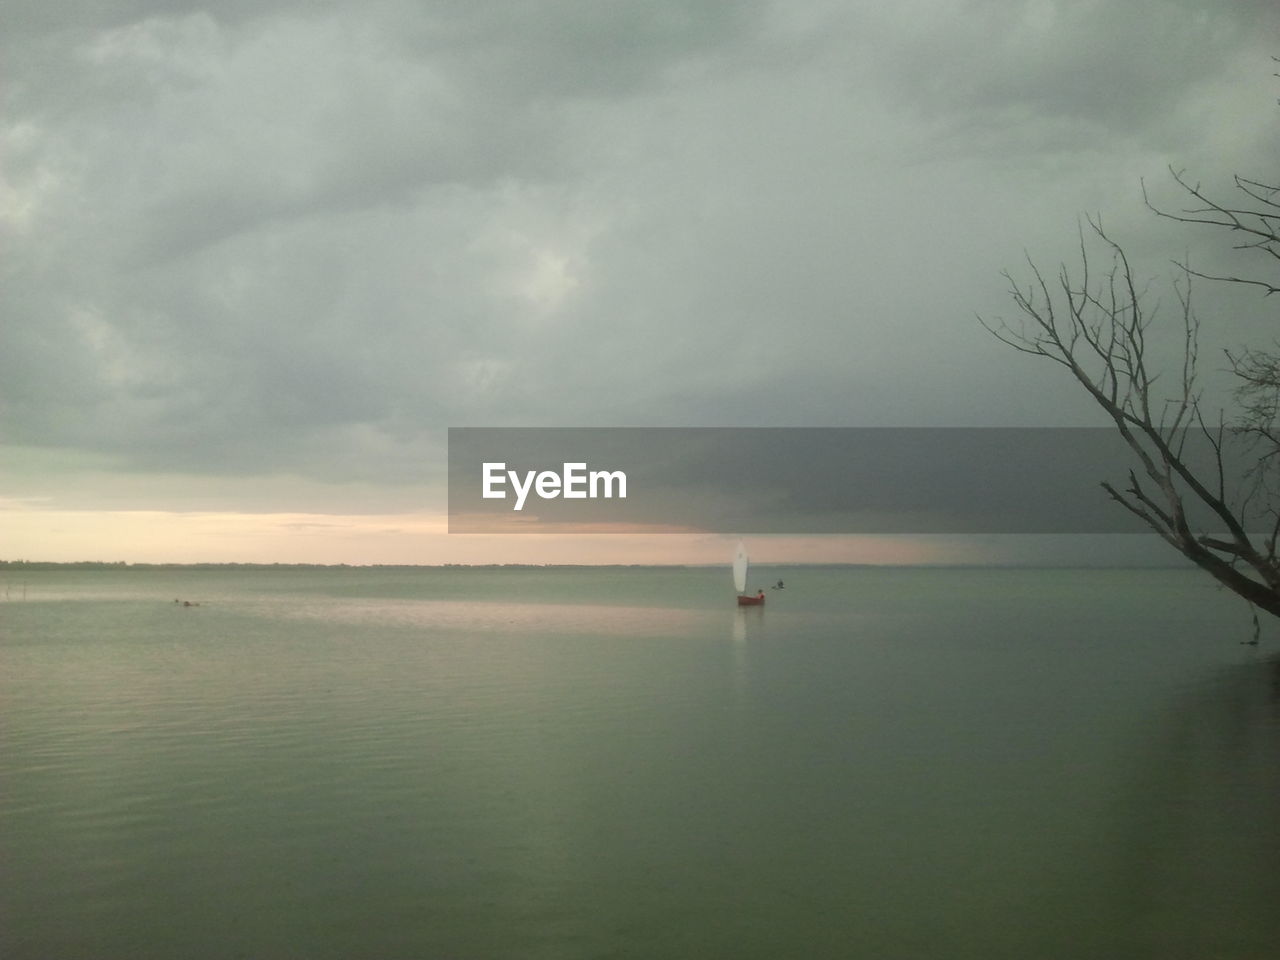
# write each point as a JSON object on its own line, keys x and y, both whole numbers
{"x": 1095, "y": 323}
{"x": 1256, "y": 221}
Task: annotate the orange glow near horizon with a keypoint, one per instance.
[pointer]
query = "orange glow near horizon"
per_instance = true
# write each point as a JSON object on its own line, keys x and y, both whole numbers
{"x": 153, "y": 536}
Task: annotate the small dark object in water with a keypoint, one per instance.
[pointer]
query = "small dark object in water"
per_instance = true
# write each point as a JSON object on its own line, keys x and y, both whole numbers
{"x": 1257, "y": 629}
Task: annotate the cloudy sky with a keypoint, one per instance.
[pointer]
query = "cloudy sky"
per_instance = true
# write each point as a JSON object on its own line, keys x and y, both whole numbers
{"x": 258, "y": 256}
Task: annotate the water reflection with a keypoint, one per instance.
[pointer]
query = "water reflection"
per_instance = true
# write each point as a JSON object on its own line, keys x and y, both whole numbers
{"x": 1195, "y": 871}
{"x": 747, "y": 622}
{"x": 489, "y": 616}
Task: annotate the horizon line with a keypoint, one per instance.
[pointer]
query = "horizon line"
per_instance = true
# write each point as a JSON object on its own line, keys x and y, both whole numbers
{"x": 1173, "y": 564}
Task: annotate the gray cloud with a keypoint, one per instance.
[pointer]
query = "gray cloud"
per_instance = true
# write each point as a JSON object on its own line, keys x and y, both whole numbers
{"x": 255, "y": 238}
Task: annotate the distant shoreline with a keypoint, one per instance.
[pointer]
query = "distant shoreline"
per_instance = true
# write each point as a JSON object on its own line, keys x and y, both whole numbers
{"x": 121, "y": 565}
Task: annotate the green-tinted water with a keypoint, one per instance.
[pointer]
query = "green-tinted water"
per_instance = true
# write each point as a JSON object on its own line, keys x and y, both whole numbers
{"x": 618, "y": 763}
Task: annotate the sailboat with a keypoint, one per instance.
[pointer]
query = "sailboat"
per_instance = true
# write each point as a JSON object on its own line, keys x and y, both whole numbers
{"x": 740, "y": 564}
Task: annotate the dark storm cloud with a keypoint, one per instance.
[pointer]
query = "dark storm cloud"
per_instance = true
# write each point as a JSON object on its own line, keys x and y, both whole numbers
{"x": 245, "y": 238}
{"x": 1105, "y": 68}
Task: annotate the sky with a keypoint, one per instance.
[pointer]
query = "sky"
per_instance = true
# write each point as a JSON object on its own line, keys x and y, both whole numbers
{"x": 257, "y": 257}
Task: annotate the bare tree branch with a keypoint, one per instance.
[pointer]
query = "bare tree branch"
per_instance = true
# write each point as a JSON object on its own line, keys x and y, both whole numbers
{"x": 1096, "y": 325}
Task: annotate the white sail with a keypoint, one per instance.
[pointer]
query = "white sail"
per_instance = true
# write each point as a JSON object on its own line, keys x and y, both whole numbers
{"x": 740, "y": 568}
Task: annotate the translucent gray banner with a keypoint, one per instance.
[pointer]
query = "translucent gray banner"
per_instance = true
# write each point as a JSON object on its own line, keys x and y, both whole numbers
{"x": 790, "y": 480}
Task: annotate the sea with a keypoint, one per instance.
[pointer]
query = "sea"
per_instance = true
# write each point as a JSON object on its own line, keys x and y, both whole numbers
{"x": 618, "y": 762}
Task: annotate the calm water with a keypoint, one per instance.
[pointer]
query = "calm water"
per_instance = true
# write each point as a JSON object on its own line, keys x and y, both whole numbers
{"x": 617, "y": 763}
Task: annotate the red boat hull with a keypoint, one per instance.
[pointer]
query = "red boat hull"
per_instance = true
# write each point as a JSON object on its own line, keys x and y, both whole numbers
{"x": 750, "y": 601}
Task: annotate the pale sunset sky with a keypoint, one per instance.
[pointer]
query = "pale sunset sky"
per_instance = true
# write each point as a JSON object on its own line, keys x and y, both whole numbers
{"x": 257, "y": 257}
